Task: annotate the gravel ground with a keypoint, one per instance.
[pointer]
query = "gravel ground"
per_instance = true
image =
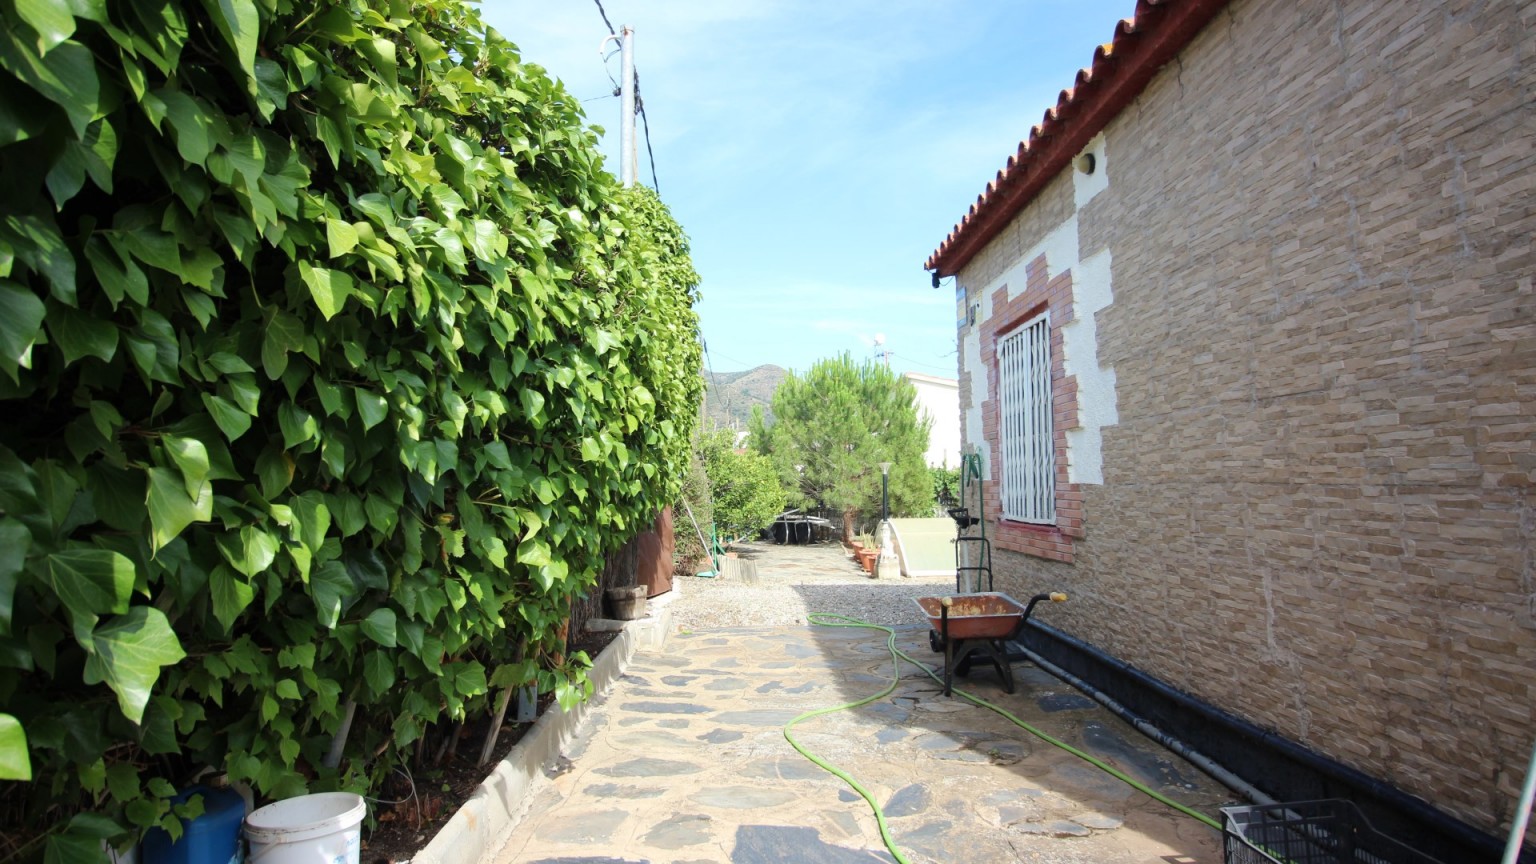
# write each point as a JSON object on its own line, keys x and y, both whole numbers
{"x": 794, "y": 581}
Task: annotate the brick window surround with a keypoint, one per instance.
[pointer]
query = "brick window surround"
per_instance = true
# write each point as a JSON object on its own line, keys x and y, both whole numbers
{"x": 1041, "y": 292}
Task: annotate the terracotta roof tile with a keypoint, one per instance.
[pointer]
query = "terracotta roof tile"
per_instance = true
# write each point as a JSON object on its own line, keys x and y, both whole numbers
{"x": 1121, "y": 69}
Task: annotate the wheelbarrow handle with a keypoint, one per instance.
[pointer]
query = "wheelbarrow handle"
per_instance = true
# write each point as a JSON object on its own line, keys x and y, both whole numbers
{"x": 1054, "y": 597}
{"x": 949, "y": 647}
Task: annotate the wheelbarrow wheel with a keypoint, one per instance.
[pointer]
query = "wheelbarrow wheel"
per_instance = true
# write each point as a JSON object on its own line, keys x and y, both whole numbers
{"x": 935, "y": 642}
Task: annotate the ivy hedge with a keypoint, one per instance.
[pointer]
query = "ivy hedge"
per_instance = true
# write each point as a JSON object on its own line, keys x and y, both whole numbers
{"x": 332, "y": 365}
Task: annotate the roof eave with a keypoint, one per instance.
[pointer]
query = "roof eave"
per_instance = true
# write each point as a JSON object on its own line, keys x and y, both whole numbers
{"x": 1121, "y": 70}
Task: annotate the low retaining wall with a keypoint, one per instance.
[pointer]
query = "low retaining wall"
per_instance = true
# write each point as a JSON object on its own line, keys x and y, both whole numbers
{"x": 481, "y": 827}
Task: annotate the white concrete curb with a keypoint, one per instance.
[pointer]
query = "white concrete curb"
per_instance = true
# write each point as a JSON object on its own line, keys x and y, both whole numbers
{"x": 480, "y": 828}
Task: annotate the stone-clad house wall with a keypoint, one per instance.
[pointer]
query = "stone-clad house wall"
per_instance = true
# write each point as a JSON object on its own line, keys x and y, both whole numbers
{"x": 1308, "y": 499}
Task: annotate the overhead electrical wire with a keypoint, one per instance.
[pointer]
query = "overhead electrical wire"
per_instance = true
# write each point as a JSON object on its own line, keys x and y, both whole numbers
{"x": 604, "y": 12}
{"x": 709, "y": 366}
{"x": 646, "y": 124}
{"x": 921, "y": 363}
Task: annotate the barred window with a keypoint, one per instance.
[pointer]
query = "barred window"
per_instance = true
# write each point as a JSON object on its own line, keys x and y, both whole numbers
{"x": 1027, "y": 439}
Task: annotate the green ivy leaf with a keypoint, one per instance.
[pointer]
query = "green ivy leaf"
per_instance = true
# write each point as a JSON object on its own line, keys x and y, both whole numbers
{"x": 66, "y": 75}
{"x": 21, "y": 320}
{"x": 314, "y": 518}
{"x": 250, "y": 552}
{"x": 534, "y": 552}
{"x": 513, "y": 674}
{"x": 284, "y": 334}
{"x": 469, "y": 680}
{"x": 495, "y": 551}
{"x": 329, "y": 288}
{"x": 603, "y": 342}
{"x": 382, "y": 515}
{"x": 128, "y": 654}
{"x": 238, "y": 22}
{"x": 271, "y": 87}
{"x": 552, "y": 574}
{"x": 15, "y": 541}
{"x": 331, "y": 588}
{"x": 340, "y": 236}
{"x": 157, "y": 734}
{"x": 380, "y": 626}
{"x": 371, "y": 407}
{"x": 92, "y": 156}
{"x": 90, "y": 581}
{"x": 68, "y": 847}
{"x": 117, "y": 495}
{"x": 50, "y": 18}
{"x": 378, "y": 672}
{"x": 243, "y": 391}
{"x": 231, "y": 420}
{"x": 488, "y": 243}
{"x": 533, "y": 406}
{"x": 296, "y": 656}
{"x": 191, "y": 124}
{"x": 81, "y": 335}
{"x": 119, "y": 277}
{"x": 172, "y": 509}
{"x": 367, "y": 569}
{"x": 274, "y": 468}
{"x": 191, "y": 457}
{"x": 14, "y": 762}
{"x": 155, "y": 348}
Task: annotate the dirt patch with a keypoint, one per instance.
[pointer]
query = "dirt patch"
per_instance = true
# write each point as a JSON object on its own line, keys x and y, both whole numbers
{"x": 413, "y": 809}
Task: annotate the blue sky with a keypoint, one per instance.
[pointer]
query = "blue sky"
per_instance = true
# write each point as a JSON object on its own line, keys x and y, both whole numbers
{"x": 817, "y": 151}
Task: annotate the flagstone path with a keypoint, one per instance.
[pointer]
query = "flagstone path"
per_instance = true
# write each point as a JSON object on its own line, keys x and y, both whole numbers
{"x": 684, "y": 762}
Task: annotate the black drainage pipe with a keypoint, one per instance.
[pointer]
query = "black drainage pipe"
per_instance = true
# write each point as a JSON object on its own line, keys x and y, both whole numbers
{"x": 1272, "y": 763}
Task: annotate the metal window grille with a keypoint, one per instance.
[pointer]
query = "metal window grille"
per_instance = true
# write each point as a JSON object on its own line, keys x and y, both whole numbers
{"x": 1027, "y": 438}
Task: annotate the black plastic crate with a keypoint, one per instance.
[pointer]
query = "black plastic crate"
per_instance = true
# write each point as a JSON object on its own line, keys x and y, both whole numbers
{"x": 1330, "y": 831}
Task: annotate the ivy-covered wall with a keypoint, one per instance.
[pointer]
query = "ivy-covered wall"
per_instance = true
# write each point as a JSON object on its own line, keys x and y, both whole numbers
{"x": 332, "y": 364}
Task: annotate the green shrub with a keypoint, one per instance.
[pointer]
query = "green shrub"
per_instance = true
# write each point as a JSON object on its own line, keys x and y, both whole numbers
{"x": 946, "y": 488}
{"x": 745, "y": 486}
{"x": 332, "y": 364}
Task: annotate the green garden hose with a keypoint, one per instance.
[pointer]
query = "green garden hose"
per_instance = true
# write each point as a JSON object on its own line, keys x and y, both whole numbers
{"x": 890, "y": 642}
{"x": 829, "y": 620}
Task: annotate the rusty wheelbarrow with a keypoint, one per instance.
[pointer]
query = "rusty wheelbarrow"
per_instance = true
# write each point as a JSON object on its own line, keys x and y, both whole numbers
{"x": 968, "y": 627}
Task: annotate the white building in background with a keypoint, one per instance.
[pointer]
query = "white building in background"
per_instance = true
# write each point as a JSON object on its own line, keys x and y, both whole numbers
{"x": 938, "y": 399}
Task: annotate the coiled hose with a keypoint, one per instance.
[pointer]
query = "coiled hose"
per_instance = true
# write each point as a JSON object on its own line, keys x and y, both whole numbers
{"x": 825, "y": 619}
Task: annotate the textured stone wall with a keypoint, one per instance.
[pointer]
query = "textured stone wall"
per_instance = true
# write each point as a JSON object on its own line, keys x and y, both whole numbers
{"x": 1317, "y": 506}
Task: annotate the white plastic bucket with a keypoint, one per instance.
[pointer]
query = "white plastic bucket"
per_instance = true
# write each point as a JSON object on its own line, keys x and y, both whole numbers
{"x": 324, "y": 828}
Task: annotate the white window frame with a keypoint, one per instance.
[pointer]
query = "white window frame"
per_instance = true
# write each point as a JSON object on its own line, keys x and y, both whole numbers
{"x": 1026, "y": 427}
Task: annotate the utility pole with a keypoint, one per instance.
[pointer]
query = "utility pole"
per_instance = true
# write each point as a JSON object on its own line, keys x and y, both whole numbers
{"x": 629, "y": 154}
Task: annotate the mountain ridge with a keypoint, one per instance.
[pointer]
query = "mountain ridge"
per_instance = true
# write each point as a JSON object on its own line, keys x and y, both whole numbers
{"x": 730, "y": 396}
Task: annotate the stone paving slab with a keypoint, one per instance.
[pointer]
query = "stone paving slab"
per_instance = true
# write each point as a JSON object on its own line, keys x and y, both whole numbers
{"x": 684, "y": 762}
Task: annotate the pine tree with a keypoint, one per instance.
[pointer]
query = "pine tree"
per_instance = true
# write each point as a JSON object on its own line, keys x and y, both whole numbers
{"x": 832, "y": 428}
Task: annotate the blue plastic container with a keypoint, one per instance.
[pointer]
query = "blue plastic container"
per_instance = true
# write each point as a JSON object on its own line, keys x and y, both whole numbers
{"x": 212, "y": 838}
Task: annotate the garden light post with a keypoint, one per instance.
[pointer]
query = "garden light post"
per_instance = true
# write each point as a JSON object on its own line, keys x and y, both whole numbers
{"x": 885, "y": 491}
{"x": 888, "y": 567}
